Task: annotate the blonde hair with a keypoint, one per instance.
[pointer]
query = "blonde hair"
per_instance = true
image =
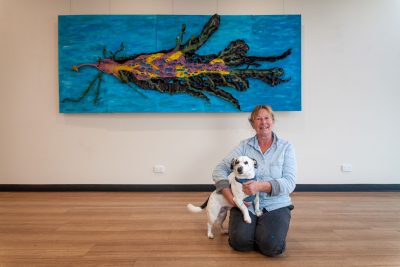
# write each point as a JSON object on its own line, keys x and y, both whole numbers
{"x": 255, "y": 111}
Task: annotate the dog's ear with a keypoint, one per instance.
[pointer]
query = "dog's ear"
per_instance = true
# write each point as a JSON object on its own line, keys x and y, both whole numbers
{"x": 233, "y": 163}
{"x": 255, "y": 163}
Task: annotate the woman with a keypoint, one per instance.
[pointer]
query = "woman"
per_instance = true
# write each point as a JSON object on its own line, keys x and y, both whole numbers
{"x": 276, "y": 179}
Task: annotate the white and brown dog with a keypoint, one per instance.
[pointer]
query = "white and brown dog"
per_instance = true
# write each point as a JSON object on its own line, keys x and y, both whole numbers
{"x": 243, "y": 170}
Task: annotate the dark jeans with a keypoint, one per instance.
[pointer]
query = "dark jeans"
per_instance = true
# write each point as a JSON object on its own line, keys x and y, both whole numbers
{"x": 266, "y": 233}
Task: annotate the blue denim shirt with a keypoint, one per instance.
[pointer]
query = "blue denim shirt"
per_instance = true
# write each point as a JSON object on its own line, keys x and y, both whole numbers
{"x": 277, "y": 166}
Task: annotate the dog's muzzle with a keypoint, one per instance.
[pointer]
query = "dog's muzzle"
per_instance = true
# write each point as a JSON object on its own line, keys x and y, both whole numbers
{"x": 240, "y": 170}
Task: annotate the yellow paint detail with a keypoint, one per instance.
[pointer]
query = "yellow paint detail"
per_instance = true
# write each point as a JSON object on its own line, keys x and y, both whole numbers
{"x": 174, "y": 56}
{"x": 217, "y": 60}
{"x": 151, "y": 58}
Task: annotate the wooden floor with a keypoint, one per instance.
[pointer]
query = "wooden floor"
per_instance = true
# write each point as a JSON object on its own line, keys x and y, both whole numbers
{"x": 155, "y": 229}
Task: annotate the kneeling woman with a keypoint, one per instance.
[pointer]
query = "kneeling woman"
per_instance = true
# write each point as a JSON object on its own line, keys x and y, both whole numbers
{"x": 276, "y": 180}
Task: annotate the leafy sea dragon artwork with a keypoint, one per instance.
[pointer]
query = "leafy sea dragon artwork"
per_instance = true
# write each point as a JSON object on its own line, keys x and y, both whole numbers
{"x": 181, "y": 70}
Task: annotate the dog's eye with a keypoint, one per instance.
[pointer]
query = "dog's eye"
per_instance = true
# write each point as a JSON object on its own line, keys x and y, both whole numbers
{"x": 246, "y": 163}
{"x": 236, "y": 162}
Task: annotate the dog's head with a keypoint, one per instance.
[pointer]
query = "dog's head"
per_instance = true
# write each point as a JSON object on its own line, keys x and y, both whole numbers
{"x": 244, "y": 167}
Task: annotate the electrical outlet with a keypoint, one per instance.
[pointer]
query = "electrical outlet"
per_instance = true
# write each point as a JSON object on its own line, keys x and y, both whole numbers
{"x": 159, "y": 169}
{"x": 347, "y": 167}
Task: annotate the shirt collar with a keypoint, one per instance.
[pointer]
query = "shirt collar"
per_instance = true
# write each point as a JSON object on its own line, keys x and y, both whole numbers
{"x": 254, "y": 142}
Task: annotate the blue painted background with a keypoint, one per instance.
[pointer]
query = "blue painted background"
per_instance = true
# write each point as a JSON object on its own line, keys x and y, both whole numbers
{"x": 83, "y": 37}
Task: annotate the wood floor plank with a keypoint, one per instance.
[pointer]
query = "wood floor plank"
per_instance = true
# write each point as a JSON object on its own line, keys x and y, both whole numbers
{"x": 155, "y": 229}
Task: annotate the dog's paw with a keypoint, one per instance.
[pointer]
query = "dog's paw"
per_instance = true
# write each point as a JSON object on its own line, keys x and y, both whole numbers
{"x": 224, "y": 231}
{"x": 259, "y": 213}
{"x": 247, "y": 219}
{"x": 210, "y": 236}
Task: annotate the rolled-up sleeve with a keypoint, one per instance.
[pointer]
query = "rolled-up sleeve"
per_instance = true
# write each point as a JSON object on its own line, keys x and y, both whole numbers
{"x": 220, "y": 175}
{"x": 287, "y": 183}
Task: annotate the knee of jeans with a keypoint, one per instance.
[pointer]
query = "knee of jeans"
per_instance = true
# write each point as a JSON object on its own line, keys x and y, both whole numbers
{"x": 239, "y": 243}
{"x": 271, "y": 249}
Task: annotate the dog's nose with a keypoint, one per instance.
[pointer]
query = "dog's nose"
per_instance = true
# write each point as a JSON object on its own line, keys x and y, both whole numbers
{"x": 240, "y": 170}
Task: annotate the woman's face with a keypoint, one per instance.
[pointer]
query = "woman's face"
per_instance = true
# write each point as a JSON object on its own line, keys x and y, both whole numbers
{"x": 263, "y": 123}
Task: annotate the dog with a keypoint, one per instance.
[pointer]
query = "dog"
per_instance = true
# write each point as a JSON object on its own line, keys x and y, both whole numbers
{"x": 243, "y": 170}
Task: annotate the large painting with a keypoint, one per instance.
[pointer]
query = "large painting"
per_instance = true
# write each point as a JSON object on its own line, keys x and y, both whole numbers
{"x": 179, "y": 63}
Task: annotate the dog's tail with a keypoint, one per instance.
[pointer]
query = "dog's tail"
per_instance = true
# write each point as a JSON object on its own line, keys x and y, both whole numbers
{"x": 196, "y": 209}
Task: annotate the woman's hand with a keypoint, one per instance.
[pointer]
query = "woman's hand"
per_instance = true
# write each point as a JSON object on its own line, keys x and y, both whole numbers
{"x": 252, "y": 187}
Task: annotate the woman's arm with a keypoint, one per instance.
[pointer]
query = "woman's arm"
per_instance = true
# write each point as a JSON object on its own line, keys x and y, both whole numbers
{"x": 286, "y": 183}
{"x": 227, "y": 192}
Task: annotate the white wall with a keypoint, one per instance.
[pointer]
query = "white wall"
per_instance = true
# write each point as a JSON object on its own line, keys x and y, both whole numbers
{"x": 350, "y": 90}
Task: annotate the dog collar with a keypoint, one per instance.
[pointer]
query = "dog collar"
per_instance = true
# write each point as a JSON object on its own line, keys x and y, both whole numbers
{"x": 250, "y": 198}
{"x": 239, "y": 180}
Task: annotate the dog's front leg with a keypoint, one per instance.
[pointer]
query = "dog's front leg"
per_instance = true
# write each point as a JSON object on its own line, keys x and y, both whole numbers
{"x": 243, "y": 208}
{"x": 257, "y": 206}
{"x": 209, "y": 231}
